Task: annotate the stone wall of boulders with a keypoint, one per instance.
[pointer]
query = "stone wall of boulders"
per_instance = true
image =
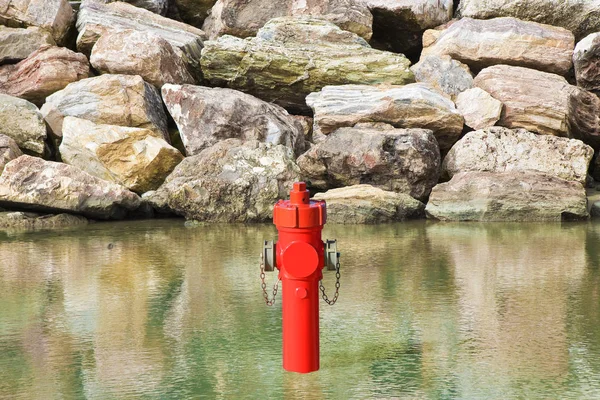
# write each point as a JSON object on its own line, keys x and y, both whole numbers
{"x": 479, "y": 110}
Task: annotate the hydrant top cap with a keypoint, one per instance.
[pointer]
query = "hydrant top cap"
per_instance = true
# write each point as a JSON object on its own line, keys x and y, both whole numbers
{"x": 299, "y": 211}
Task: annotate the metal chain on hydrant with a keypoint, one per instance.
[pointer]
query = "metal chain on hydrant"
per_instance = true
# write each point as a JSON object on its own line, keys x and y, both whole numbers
{"x": 263, "y": 284}
{"x": 337, "y": 287}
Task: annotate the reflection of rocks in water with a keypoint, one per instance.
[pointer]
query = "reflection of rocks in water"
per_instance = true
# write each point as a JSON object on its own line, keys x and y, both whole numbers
{"x": 513, "y": 285}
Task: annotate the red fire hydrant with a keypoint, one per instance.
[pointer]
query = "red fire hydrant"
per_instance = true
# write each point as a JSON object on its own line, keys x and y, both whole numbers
{"x": 300, "y": 256}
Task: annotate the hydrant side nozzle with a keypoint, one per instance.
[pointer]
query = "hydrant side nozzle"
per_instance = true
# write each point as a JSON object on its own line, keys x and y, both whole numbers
{"x": 269, "y": 255}
{"x": 332, "y": 256}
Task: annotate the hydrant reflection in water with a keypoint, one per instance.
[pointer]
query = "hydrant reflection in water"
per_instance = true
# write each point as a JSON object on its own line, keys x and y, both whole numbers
{"x": 300, "y": 256}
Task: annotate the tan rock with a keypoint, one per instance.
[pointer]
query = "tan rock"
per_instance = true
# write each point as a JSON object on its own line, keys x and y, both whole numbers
{"x": 482, "y": 43}
{"x": 44, "y": 72}
{"x": 479, "y": 108}
{"x": 93, "y": 20}
{"x": 156, "y": 6}
{"x": 31, "y": 183}
{"x": 140, "y": 53}
{"x": 366, "y": 204}
{"x": 122, "y": 100}
{"x": 412, "y": 106}
{"x": 243, "y": 18}
{"x": 499, "y": 149}
{"x": 507, "y": 196}
{"x": 586, "y": 61}
{"x": 55, "y": 16}
{"x": 17, "y": 44}
{"x": 135, "y": 158}
{"x": 399, "y": 160}
{"x": 290, "y": 58}
{"x": 448, "y": 76}
{"x": 206, "y": 116}
{"x": 8, "y": 151}
{"x": 23, "y": 122}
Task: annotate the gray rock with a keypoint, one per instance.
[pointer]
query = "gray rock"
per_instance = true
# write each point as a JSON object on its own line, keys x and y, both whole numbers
{"x": 582, "y": 17}
{"x": 479, "y": 108}
{"x": 444, "y": 74}
{"x": 399, "y": 160}
{"x": 31, "y": 183}
{"x": 595, "y": 210}
{"x": 93, "y": 20}
{"x": 229, "y": 182}
{"x": 136, "y": 158}
{"x": 366, "y": 204}
{"x": 243, "y": 18}
{"x": 145, "y": 54}
{"x": 412, "y": 106}
{"x": 17, "y": 44}
{"x": 34, "y": 221}
{"x": 122, "y": 100}
{"x": 206, "y": 116}
{"x": 507, "y": 196}
{"x": 504, "y": 150}
{"x": 483, "y": 43}
{"x": 23, "y": 122}
{"x": 586, "y": 61}
{"x": 398, "y": 25}
{"x": 290, "y": 58}
{"x": 44, "y": 72}
{"x": 8, "y": 151}
{"x": 54, "y": 16}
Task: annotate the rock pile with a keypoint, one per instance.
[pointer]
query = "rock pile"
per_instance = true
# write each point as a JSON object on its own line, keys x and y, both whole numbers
{"x": 211, "y": 109}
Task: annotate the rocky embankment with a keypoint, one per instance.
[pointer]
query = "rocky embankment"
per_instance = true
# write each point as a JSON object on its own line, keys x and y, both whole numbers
{"x": 211, "y": 109}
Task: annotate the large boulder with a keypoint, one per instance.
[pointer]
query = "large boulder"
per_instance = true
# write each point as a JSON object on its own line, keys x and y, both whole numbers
{"x": 123, "y": 100}
{"x": 30, "y": 183}
{"x": 135, "y": 158}
{"x": 206, "y": 116}
{"x": 504, "y": 150}
{"x": 231, "y": 181}
{"x": 17, "y": 44}
{"x": 482, "y": 43}
{"x": 140, "y": 53}
{"x": 448, "y": 76}
{"x": 582, "y": 17}
{"x": 398, "y": 25}
{"x": 94, "y": 20}
{"x": 23, "y": 122}
{"x": 366, "y": 204}
{"x": 533, "y": 100}
{"x": 290, "y": 58}
{"x": 399, "y": 160}
{"x": 54, "y": 16}
{"x": 8, "y": 151}
{"x": 586, "y": 62}
{"x": 479, "y": 108}
{"x": 412, "y": 106}
{"x": 507, "y": 196}
{"x": 243, "y": 18}
{"x": 44, "y": 72}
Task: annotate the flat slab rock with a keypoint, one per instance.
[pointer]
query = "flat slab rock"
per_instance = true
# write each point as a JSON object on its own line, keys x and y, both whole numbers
{"x": 290, "y": 58}
{"x": 243, "y": 18}
{"x": 581, "y": 17}
{"x": 232, "y": 181}
{"x": 17, "y": 44}
{"x": 507, "y": 196}
{"x": 483, "y": 43}
{"x": 44, "y": 72}
{"x": 23, "y": 122}
{"x": 30, "y": 183}
{"x": 35, "y": 221}
{"x": 411, "y": 106}
{"x": 366, "y": 204}
{"x": 504, "y": 150}
{"x": 124, "y": 100}
{"x": 399, "y": 160}
{"x": 206, "y": 116}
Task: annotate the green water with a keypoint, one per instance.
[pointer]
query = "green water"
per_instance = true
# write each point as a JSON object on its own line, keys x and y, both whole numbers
{"x": 157, "y": 310}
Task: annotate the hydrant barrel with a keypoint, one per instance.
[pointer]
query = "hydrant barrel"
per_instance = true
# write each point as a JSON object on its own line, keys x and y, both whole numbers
{"x": 300, "y": 260}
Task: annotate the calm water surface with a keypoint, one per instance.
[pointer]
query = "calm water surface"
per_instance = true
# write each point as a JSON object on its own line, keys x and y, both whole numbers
{"x": 157, "y": 310}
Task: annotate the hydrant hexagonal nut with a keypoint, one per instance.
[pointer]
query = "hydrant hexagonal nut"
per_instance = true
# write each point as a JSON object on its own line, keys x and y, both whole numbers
{"x": 269, "y": 255}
